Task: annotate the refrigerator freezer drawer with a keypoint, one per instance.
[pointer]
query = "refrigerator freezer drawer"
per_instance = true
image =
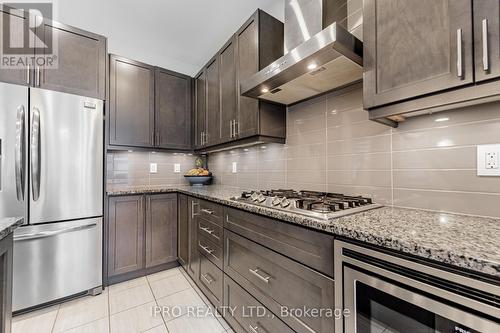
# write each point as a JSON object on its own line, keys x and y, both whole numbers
{"x": 66, "y": 156}
{"x": 56, "y": 260}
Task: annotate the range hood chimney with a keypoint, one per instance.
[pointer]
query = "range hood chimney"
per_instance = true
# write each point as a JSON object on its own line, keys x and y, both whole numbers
{"x": 320, "y": 55}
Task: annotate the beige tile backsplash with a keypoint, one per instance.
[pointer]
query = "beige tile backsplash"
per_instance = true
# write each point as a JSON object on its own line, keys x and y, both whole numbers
{"x": 132, "y": 168}
{"x": 332, "y": 146}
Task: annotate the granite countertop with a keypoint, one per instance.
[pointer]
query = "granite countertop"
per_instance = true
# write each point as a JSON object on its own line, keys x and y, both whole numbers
{"x": 464, "y": 241}
{"x": 9, "y": 224}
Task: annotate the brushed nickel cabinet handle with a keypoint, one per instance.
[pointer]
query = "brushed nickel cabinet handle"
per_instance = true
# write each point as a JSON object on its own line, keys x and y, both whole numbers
{"x": 254, "y": 329}
{"x": 207, "y": 211}
{"x": 193, "y": 205}
{"x": 206, "y": 249}
{"x": 207, "y": 278}
{"x": 256, "y": 271}
{"x": 28, "y": 74}
{"x": 460, "y": 71}
{"x": 231, "y": 129}
{"x": 486, "y": 62}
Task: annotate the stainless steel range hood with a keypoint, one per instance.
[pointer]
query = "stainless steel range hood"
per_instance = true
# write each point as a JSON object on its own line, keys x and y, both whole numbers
{"x": 329, "y": 59}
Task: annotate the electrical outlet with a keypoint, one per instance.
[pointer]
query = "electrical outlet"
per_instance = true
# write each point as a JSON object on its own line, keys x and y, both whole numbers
{"x": 488, "y": 163}
{"x": 177, "y": 168}
{"x": 235, "y": 167}
{"x": 492, "y": 160}
{"x": 153, "y": 168}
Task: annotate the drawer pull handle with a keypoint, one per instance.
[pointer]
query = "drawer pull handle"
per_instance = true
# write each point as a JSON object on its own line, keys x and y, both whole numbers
{"x": 206, "y": 249}
{"x": 207, "y": 211}
{"x": 256, "y": 273}
{"x": 209, "y": 231}
{"x": 207, "y": 278}
{"x": 254, "y": 329}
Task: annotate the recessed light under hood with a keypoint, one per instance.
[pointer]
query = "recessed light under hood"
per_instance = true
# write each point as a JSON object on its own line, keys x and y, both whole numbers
{"x": 330, "y": 59}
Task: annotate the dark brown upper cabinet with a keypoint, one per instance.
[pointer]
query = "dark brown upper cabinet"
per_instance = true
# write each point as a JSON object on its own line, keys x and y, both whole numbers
{"x": 17, "y": 19}
{"x": 132, "y": 107}
{"x": 172, "y": 110}
{"x": 213, "y": 102}
{"x": 428, "y": 56}
{"x": 200, "y": 103}
{"x": 487, "y": 39}
{"x": 413, "y": 48}
{"x": 222, "y": 114}
{"x": 228, "y": 91}
{"x": 81, "y": 57}
{"x": 81, "y": 61}
{"x": 161, "y": 229}
{"x": 259, "y": 43}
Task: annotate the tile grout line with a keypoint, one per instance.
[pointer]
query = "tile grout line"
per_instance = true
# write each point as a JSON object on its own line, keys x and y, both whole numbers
{"x": 55, "y": 319}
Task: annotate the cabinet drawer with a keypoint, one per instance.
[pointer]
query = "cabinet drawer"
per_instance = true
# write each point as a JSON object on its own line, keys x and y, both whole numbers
{"x": 309, "y": 247}
{"x": 210, "y": 250}
{"x": 249, "y": 315}
{"x": 211, "y": 211}
{"x": 210, "y": 281}
{"x": 277, "y": 281}
{"x": 211, "y": 230}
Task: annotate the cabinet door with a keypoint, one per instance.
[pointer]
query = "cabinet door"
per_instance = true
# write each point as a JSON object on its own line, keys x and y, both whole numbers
{"x": 228, "y": 107}
{"x": 81, "y": 59}
{"x": 412, "y": 48}
{"x": 183, "y": 230}
{"x": 131, "y": 103}
{"x": 213, "y": 102}
{"x": 193, "y": 264}
{"x": 173, "y": 109}
{"x": 161, "y": 229}
{"x": 6, "y": 260}
{"x": 487, "y": 39}
{"x": 126, "y": 234}
{"x": 247, "y": 65}
{"x": 15, "y": 20}
{"x": 200, "y": 90}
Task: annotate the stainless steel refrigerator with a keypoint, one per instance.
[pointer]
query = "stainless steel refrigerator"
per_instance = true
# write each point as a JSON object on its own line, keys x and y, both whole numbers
{"x": 51, "y": 172}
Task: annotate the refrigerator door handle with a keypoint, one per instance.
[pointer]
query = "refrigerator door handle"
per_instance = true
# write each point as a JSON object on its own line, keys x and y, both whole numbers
{"x": 45, "y": 234}
{"x": 20, "y": 153}
{"x": 35, "y": 154}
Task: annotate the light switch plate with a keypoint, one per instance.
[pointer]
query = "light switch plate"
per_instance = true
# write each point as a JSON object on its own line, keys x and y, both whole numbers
{"x": 488, "y": 160}
{"x": 153, "y": 168}
{"x": 235, "y": 167}
{"x": 177, "y": 168}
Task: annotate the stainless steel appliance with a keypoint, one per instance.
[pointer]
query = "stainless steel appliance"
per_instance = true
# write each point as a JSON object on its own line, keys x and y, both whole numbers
{"x": 321, "y": 205}
{"x": 320, "y": 54}
{"x": 380, "y": 292}
{"x": 52, "y": 173}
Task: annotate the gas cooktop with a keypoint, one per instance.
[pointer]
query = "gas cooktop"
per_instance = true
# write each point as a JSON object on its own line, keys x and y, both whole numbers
{"x": 322, "y": 205}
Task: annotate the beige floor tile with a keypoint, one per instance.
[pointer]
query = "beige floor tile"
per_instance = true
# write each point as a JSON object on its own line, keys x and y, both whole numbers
{"x": 41, "y": 321}
{"x": 138, "y": 319}
{"x": 98, "y": 326}
{"x": 81, "y": 311}
{"x": 158, "y": 329}
{"x": 164, "y": 274}
{"x": 129, "y": 298}
{"x": 176, "y": 305}
{"x": 127, "y": 285}
{"x": 189, "y": 324}
{"x": 169, "y": 285}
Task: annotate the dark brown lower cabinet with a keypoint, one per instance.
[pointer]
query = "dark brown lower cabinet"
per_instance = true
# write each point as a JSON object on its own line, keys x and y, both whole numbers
{"x": 142, "y": 235}
{"x": 183, "y": 230}
{"x": 193, "y": 262}
{"x": 6, "y": 284}
{"x": 126, "y": 234}
{"x": 161, "y": 229}
{"x": 210, "y": 280}
{"x": 248, "y": 315}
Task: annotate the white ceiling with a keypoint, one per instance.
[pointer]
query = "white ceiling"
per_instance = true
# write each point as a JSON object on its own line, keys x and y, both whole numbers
{"x": 181, "y": 35}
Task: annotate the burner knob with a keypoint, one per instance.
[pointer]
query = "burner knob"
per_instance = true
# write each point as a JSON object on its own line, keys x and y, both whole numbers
{"x": 261, "y": 198}
{"x": 276, "y": 201}
{"x": 285, "y": 202}
{"x": 254, "y": 196}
